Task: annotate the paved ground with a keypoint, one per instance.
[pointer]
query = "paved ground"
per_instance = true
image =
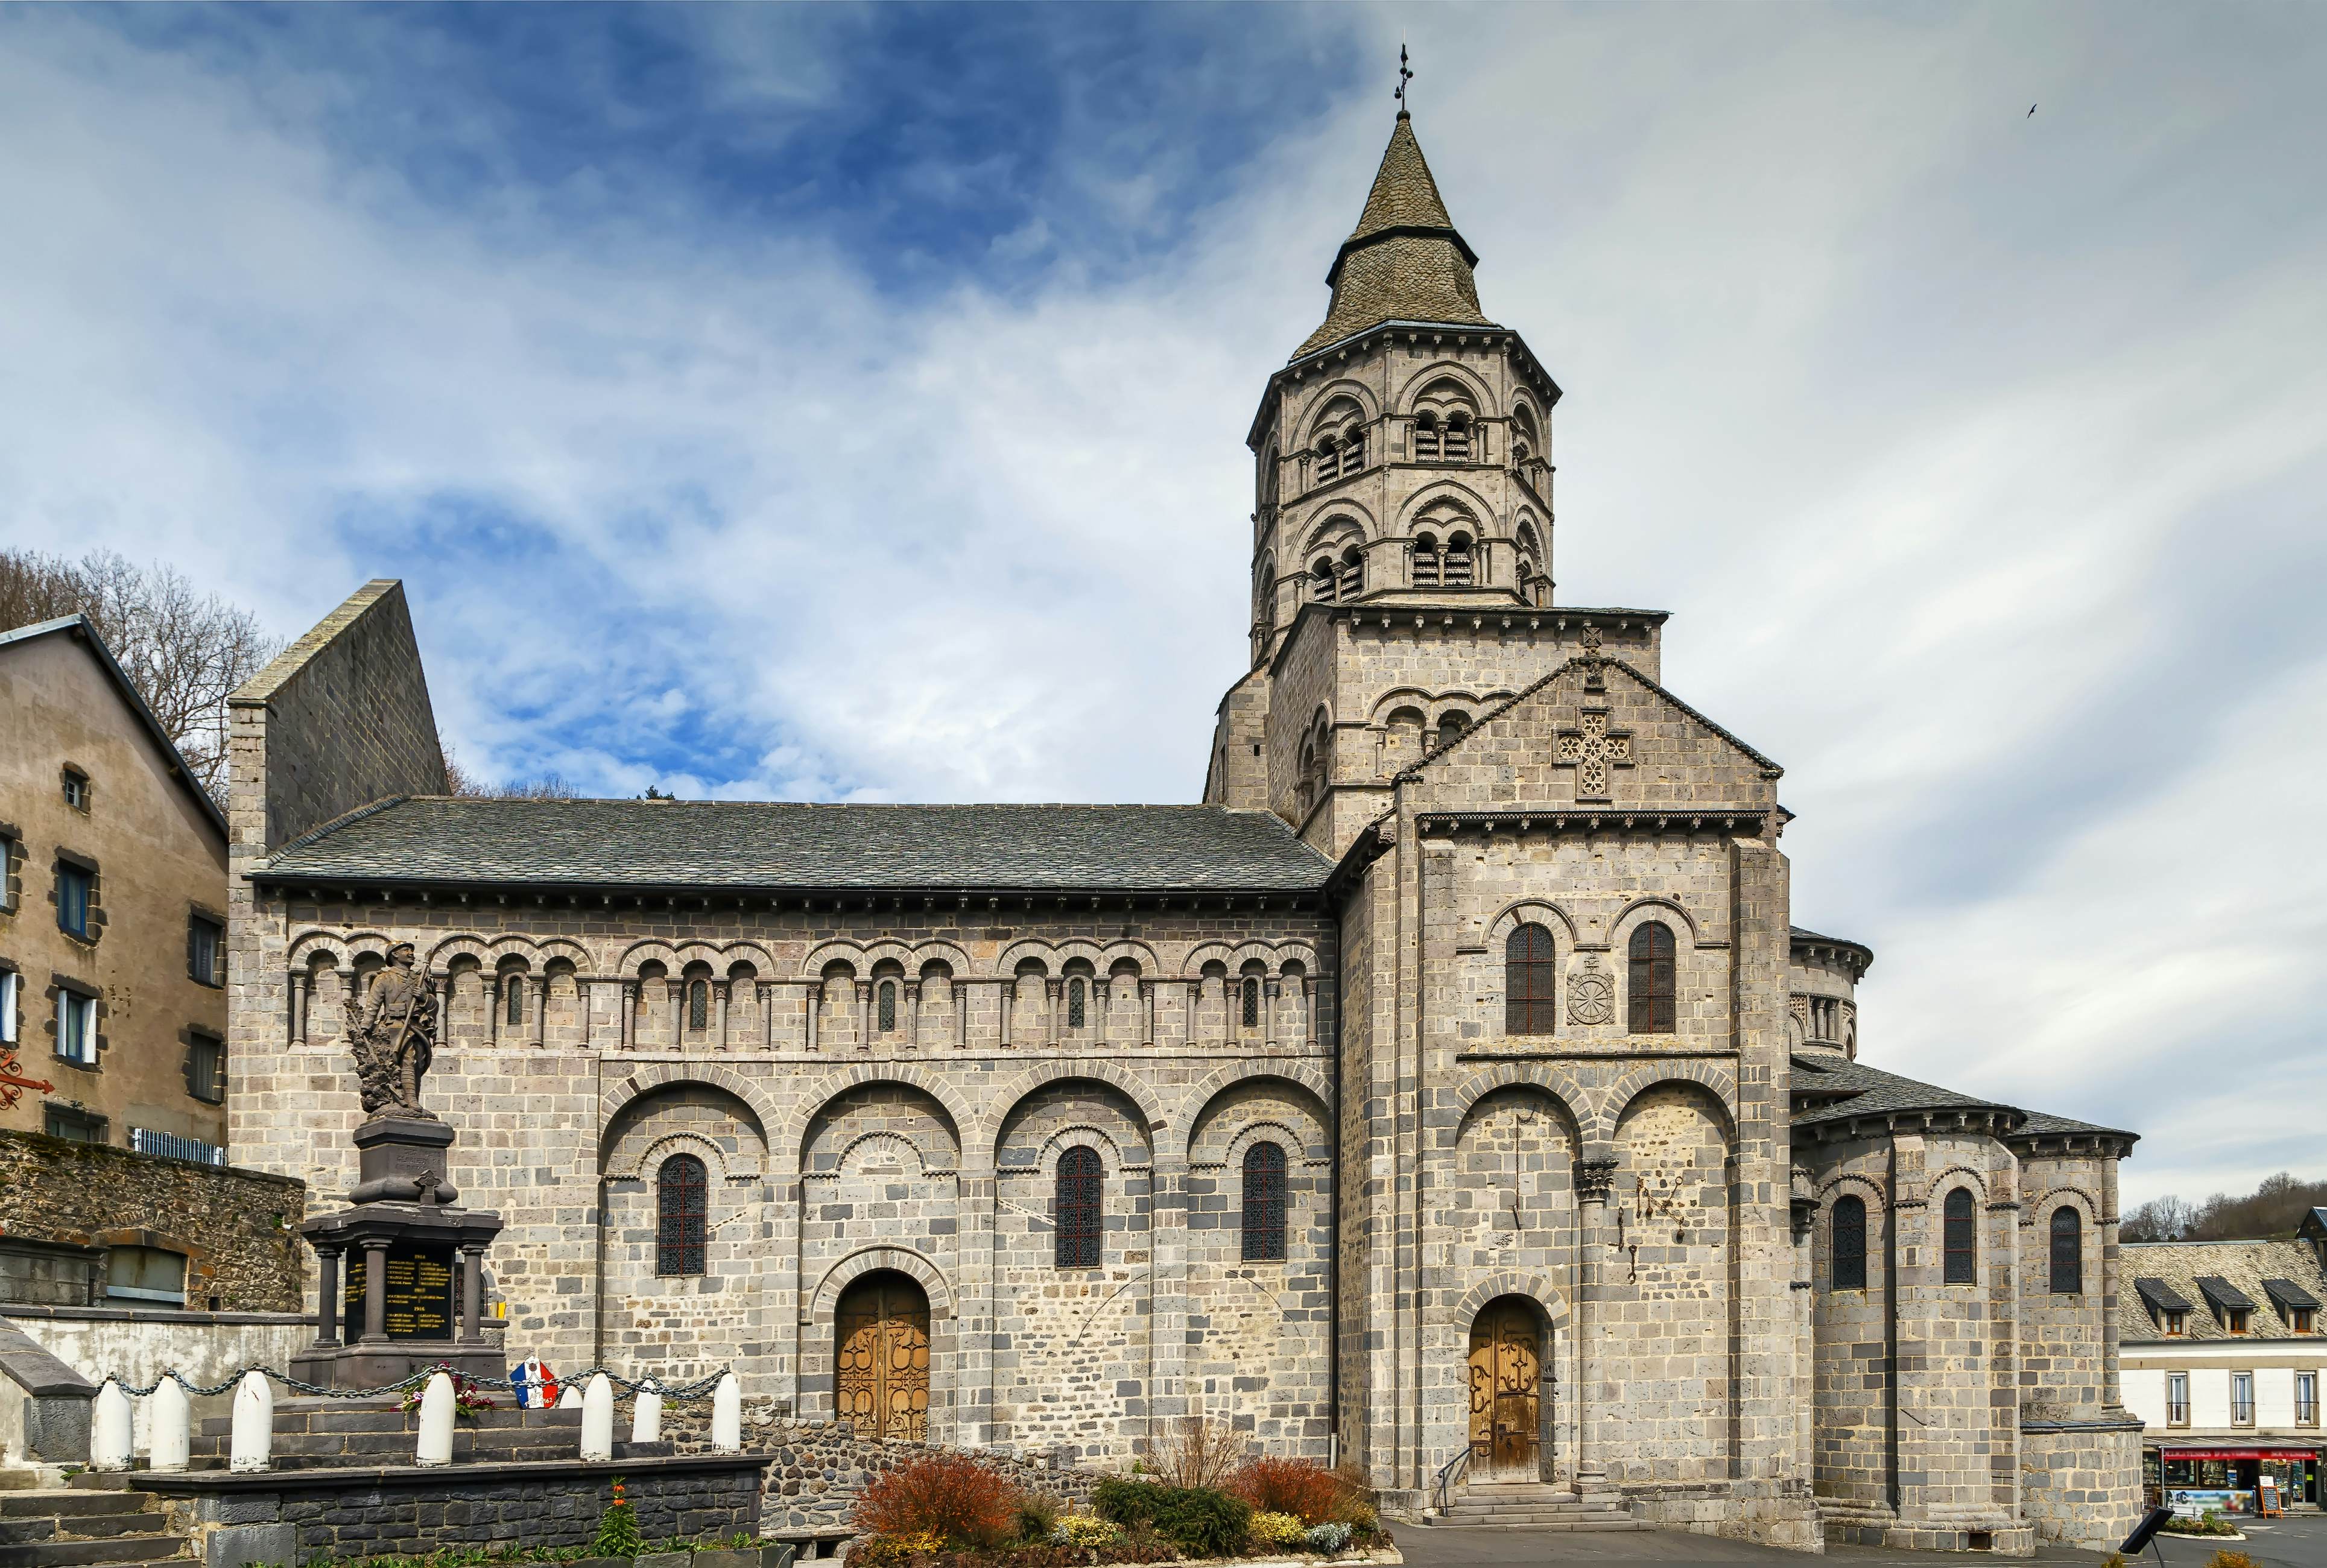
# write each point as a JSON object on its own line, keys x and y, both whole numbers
{"x": 2299, "y": 1541}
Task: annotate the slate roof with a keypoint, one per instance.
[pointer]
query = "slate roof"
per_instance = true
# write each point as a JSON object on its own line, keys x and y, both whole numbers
{"x": 435, "y": 840}
{"x": 2285, "y": 1295}
{"x": 2185, "y": 1269}
{"x": 1404, "y": 261}
{"x": 2161, "y": 1297}
{"x": 1871, "y": 1091}
{"x": 2222, "y": 1295}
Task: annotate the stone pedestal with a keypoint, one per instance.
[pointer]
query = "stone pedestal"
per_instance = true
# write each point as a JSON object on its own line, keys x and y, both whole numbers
{"x": 413, "y": 1264}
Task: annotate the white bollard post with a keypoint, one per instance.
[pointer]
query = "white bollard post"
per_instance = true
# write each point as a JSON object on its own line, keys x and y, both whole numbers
{"x": 646, "y": 1418}
{"x": 252, "y": 1444}
{"x": 571, "y": 1399}
{"x": 598, "y": 1419}
{"x": 170, "y": 1441}
{"x": 727, "y": 1416}
{"x": 109, "y": 1428}
{"x": 436, "y": 1423}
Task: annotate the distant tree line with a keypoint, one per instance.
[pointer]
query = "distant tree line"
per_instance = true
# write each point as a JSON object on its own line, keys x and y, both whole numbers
{"x": 2272, "y": 1210}
{"x": 184, "y": 652}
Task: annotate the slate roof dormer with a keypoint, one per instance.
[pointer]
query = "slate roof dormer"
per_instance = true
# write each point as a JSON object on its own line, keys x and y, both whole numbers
{"x": 1404, "y": 261}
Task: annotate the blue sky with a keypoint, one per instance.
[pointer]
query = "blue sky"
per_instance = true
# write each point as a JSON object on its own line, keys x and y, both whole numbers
{"x": 826, "y": 401}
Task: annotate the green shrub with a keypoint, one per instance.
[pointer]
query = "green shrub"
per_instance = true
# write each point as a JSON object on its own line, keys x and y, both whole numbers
{"x": 1038, "y": 1516}
{"x": 1081, "y": 1530}
{"x": 1199, "y": 1521}
{"x": 1328, "y": 1538}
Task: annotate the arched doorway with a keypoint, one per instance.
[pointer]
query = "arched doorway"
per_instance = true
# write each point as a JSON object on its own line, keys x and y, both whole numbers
{"x": 1506, "y": 1399}
{"x": 880, "y": 1360}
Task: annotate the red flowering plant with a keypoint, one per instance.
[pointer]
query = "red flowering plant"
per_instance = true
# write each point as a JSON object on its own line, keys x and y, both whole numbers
{"x": 468, "y": 1395}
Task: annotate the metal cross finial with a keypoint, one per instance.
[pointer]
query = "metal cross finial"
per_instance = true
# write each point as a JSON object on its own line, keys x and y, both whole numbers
{"x": 1403, "y": 76}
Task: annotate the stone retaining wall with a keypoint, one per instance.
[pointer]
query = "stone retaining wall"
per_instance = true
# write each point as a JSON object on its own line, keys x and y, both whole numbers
{"x": 233, "y": 1520}
{"x": 817, "y": 1469}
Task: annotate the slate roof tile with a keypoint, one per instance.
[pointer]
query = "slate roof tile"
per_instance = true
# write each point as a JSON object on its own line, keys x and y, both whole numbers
{"x": 775, "y": 847}
{"x": 2195, "y": 1271}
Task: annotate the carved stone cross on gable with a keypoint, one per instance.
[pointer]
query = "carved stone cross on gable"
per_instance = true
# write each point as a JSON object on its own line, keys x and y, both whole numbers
{"x": 1591, "y": 750}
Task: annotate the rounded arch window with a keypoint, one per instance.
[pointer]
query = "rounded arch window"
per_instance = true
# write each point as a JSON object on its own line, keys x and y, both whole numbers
{"x": 887, "y": 1006}
{"x": 1078, "y": 1001}
{"x": 1451, "y": 727}
{"x": 1251, "y": 1002}
{"x": 1649, "y": 991}
{"x": 682, "y": 1208}
{"x": 1459, "y": 568}
{"x": 1847, "y": 1232}
{"x": 1531, "y": 976}
{"x": 1960, "y": 1239}
{"x": 698, "y": 1004}
{"x": 1077, "y": 1208}
{"x": 2068, "y": 1252}
{"x": 1264, "y": 1203}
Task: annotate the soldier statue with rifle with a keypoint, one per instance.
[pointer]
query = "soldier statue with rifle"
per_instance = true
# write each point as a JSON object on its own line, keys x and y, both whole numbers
{"x": 393, "y": 1033}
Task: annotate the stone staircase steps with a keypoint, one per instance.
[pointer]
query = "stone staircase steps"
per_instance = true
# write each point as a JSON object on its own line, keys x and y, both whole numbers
{"x": 84, "y": 1528}
{"x": 1531, "y": 1506}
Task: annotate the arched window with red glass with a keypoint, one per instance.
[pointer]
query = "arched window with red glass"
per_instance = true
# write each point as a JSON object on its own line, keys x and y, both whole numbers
{"x": 1077, "y": 1208}
{"x": 1530, "y": 974}
{"x": 1264, "y": 1203}
{"x": 682, "y": 1211}
{"x": 1649, "y": 991}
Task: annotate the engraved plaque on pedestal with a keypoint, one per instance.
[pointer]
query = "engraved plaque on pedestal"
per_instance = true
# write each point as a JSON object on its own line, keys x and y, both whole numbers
{"x": 420, "y": 1292}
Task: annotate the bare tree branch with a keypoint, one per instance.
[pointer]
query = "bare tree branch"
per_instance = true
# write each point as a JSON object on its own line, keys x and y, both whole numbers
{"x": 184, "y": 650}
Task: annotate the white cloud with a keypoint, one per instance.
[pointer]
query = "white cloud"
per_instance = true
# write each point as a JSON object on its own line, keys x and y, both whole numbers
{"x": 1977, "y": 455}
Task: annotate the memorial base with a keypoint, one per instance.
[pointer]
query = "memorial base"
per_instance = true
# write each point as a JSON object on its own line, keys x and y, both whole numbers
{"x": 411, "y": 1262}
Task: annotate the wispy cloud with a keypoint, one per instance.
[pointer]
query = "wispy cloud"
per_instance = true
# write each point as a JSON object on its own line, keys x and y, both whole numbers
{"x": 822, "y": 401}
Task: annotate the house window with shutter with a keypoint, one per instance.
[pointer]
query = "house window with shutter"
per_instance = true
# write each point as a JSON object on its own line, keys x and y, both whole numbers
{"x": 76, "y": 893}
{"x": 77, "y": 1028}
{"x": 205, "y": 939}
{"x": 206, "y": 1068}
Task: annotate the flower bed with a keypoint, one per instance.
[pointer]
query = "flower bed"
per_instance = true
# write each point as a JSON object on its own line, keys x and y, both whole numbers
{"x": 952, "y": 1511}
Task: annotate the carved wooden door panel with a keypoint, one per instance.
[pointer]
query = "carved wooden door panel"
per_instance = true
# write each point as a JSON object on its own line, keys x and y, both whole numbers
{"x": 1506, "y": 1362}
{"x": 881, "y": 1373}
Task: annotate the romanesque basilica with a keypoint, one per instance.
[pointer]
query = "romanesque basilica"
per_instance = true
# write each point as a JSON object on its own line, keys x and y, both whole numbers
{"x": 1449, "y": 1094}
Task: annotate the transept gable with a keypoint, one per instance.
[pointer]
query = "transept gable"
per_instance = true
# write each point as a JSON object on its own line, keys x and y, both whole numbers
{"x": 1594, "y": 733}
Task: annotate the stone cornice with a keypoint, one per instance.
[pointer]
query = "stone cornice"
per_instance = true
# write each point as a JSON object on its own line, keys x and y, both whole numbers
{"x": 1523, "y": 359}
{"x": 1506, "y": 616}
{"x": 1594, "y": 819}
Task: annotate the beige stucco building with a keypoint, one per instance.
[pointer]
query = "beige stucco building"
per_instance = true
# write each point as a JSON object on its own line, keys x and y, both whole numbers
{"x": 112, "y": 927}
{"x": 1449, "y": 1093}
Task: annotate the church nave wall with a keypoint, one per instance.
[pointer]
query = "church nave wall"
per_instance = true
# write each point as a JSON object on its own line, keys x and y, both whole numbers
{"x": 1664, "y": 1312}
{"x": 1073, "y": 1344}
{"x": 663, "y": 1307}
{"x": 1259, "y": 1305}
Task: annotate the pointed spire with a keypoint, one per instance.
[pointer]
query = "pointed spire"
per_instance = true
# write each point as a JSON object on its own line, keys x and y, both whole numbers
{"x": 1405, "y": 260}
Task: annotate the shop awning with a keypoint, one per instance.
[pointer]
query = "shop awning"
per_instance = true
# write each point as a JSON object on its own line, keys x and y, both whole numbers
{"x": 2236, "y": 1453}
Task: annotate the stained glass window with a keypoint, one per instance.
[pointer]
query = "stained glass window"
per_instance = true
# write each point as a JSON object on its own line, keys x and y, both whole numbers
{"x": 888, "y": 1005}
{"x": 1650, "y": 994}
{"x": 1847, "y": 1269}
{"x": 1076, "y": 1208}
{"x": 2068, "y": 1252}
{"x": 1961, "y": 1239}
{"x": 1264, "y": 1203}
{"x": 681, "y": 1202}
{"x": 1529, "y": 976}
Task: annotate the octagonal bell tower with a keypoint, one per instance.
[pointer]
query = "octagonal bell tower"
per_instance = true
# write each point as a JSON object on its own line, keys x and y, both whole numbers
{"x": 1402, "y": 463}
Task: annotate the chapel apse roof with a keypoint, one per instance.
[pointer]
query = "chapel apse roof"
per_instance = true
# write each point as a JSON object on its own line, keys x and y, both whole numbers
{"x": 1833, "y": 1090}
{"x": 775, "y": 847}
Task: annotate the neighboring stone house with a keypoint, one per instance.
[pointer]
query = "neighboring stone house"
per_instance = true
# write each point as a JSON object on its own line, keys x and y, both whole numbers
{"x": 2224, "y": 1347}
{"x": 112, "y": 960}
{"x": 1448, "y": 1094}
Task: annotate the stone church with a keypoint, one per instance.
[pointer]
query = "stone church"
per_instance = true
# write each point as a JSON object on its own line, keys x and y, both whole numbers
{"x": 1449, "y": 1094}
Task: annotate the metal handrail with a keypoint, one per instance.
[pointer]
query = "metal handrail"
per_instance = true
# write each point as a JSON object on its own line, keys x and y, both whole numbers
{"x": 1446, "y": 1475}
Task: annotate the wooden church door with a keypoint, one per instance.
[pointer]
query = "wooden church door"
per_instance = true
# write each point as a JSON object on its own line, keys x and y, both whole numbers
{"x": 881, "y": 1373}
{"x": 1506, "y": 1362}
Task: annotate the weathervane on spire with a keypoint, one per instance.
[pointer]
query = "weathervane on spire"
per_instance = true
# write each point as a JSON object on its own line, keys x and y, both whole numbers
{"x": 1403, "y": 76}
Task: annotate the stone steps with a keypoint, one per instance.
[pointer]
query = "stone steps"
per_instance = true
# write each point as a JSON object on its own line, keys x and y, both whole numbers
{"x": 1531, "y": 1506}
{"x": 84, "y": 1528}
